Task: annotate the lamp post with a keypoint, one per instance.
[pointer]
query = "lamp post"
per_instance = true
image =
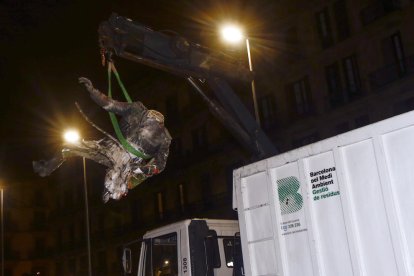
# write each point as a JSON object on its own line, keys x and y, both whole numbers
{"x": 72, "y": 137}
{"x": 2, "y": 232}
{"x": 234, "y": 34}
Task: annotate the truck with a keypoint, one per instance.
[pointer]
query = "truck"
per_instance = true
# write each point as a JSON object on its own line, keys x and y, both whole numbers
{"x": 340, "y": 206}
{"x": 188, "y": 247}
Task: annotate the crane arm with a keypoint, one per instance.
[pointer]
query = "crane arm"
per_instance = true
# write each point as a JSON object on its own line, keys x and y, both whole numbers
{"x": 175, "y": 54}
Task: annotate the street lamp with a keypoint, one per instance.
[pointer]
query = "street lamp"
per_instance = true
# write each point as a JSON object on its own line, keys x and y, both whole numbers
{"x": 72, "y": 136}
{"x": 2, "y": 232}
{"x": 234, "y": 34}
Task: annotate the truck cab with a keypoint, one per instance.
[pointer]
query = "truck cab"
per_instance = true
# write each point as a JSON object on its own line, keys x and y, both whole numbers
{"x": 190, "y": 247}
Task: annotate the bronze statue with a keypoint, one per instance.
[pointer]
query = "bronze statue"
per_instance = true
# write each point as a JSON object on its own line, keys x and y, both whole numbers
{"x": 143, "y": 129}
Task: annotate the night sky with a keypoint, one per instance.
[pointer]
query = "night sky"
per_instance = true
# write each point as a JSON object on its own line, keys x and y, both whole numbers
{"x": 46, "y": 45}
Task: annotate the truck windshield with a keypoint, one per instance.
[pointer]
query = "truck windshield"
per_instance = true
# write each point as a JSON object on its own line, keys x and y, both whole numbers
{"x": 161, "y": 258}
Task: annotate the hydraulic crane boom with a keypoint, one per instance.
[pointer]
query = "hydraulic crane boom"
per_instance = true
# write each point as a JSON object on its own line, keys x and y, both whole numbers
{"x": 175, "y": 54}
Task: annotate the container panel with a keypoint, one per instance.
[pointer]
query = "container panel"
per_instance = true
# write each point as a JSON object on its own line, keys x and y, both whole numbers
{"x": 258, "y": 224}
{"x": 327, "y": 214}
{"x": 399, "y": 152}
{"x": 293, "y": 226}
{"x": 263, "y": 258}
{"x": 356, "y": 194}
{"x": 368, "y": 210}
{"x": 254, "y": 190}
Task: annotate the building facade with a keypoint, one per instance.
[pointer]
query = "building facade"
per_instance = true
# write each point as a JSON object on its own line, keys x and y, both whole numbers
{"x": 330, "y": 67}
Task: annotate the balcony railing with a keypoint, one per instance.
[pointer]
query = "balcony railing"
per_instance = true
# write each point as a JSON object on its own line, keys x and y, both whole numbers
{"x": 391, "y": 73}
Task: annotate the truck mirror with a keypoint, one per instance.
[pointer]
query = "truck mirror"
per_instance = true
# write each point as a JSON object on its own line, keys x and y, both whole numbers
{"x": 127, "y": 260}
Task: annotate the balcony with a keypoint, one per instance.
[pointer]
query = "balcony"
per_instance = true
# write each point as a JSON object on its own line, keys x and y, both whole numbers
{"x": 378, "y": 9}
{"x": 391, "y": 73}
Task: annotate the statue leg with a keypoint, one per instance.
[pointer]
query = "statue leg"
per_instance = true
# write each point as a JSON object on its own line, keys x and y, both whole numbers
{"x": 117, "y": 176}
{"x": 93, "y": 150}
{"x": 46, "y": 167}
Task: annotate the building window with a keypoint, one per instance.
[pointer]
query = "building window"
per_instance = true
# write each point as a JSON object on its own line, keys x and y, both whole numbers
{"x": 324, "y": 28}
{"x": 352, "y": 78}
{"x": 181, "y": 197}
{"x": 393, "y": 53}
{"x": 399, "y": 55}
{"x": 333, "y": 78}
{"x": 394, "y": 60}
{"x": 268, "y": 111}
{"x": 341, "y": 19}
{"x": 300, "y": 96}
{"x": 160, "y": 205}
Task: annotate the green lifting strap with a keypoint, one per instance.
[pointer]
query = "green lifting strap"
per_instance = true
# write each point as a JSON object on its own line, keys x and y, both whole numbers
{"x": 113, "y": 118}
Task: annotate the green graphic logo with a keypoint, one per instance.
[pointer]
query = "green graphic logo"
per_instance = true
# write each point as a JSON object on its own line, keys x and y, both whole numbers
{"x": 289, "y": 198}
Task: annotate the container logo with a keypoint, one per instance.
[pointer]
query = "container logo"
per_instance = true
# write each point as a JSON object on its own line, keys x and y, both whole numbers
{"x": 289, "y": 198}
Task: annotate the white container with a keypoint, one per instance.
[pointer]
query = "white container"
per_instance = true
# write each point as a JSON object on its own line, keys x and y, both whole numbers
{"x": 339, "y": 207}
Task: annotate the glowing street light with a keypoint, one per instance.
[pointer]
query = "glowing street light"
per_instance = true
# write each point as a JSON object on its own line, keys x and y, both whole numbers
{"x": 72, "y": 136}
{"x": 234, "y": 34}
